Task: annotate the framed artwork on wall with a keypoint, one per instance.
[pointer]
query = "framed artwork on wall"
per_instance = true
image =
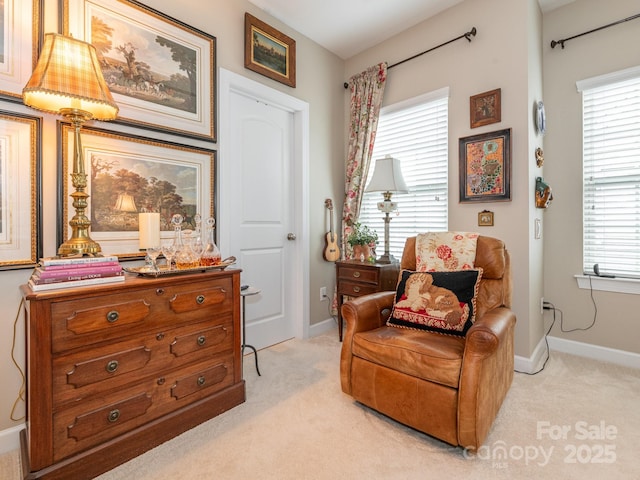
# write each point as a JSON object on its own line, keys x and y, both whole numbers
{"x": 485, "y": 167}
{"x": 156, "y": 176}
{"x": 268, "y": 51}
{"x": 160, "y": 71}
{"x": 20, "y": 35}
{"x": 20, "y": 190}
{"x": 485, "y": 218}
{"x": 485, "y": 108}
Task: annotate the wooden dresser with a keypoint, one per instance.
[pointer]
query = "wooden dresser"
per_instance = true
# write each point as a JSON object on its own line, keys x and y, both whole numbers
{"x": 115, "y": 370}
{"x": 355, "y": 278}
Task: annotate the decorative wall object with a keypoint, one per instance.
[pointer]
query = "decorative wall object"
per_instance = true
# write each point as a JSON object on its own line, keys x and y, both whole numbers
{"x": 161, "y": 176}
{"x": 540, "y": 118}
{"x": 20, "y": 190}
{"x": 543, "y": 193}
{"x": 21, "y": 26}
{"x": 539, "y": 157}
{"x": 485, "y": 218}
{"x": 485, "y": 167}
{"x": 485, "y": 108}
{"x": 160, "y": 71}
{"x": 268, "y": 51}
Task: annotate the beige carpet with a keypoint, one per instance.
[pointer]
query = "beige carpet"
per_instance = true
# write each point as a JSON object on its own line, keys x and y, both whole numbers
{"x": 297, "y": 424}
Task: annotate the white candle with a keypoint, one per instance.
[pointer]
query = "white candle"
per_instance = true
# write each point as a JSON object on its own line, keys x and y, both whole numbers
{"x": 149, "y": 227}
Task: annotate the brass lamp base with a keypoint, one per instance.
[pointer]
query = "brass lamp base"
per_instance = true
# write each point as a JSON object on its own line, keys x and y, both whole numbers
{"x": 80, "y": 242}
{"x": 78, "y": 246}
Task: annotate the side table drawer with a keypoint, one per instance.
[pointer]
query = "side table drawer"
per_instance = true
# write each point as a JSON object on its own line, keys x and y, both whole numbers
{"x": 360, "y": 275}
{"x": 355, "y": 289}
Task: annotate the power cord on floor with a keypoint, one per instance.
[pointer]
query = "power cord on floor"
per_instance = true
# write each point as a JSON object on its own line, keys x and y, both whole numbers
{"x": 551, "y": 306}
{"x": 22, "y": 391}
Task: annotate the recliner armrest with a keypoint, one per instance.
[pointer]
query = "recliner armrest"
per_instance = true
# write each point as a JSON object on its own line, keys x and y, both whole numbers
{"x": 361, "y": 314}
{"x": 486, "y": 334}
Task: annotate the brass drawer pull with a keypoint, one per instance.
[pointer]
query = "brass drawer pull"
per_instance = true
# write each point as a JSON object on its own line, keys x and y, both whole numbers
{"x": 113, "y": 416}
{"x": 201, "y": 381}
{"x": 112, "y": 366}
{"x": 356, "y": 274}
{"x": 202, "y": 340}
{"x": 356, "y": 289}
{"x": 112, "y": 316}
{"x": 200, "y": 299}
{"x": 159, "y": 291}
{"x": 161, "y": 381}
{"x": 159, "y": 336}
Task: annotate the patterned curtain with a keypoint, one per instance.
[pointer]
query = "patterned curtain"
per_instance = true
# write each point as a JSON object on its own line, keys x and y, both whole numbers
{"x": 367, "y": 89}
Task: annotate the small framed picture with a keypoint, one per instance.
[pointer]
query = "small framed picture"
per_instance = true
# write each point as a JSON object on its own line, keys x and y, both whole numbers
{"x": 485, "y": 108}
{"x": 268, "y": 51}
{"x": 485, "y": 218}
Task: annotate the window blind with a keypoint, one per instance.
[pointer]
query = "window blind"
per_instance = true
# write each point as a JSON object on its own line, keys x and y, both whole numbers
{"x": 416, "y": 133}
{"x": 611, "y": 174}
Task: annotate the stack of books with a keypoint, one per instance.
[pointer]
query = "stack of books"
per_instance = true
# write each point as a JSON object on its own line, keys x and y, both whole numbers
{"x": 66, "y": 272}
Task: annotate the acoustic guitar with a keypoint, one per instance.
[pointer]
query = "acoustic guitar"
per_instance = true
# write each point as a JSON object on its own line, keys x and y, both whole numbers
{"x": 331, "y": 251}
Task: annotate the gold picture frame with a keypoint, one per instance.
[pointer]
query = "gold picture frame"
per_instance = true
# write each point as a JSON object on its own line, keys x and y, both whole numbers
{"x": 268, "y": 51}
{"x": 485, "y": 108}
{"x": 485, "y": 218}
{"x": 20, "y": 190}
{"x": 161, "y": 176}
{"x": 161, "y": 71}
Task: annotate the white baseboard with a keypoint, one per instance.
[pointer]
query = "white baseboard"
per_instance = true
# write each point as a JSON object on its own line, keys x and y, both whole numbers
{"x": 322, "y": 327}
{"x": 594, "y": 352}
{"x": 10, "y": 439}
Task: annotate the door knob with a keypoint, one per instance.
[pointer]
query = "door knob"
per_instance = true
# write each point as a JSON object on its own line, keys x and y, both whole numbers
{"x": 291, "y": 236}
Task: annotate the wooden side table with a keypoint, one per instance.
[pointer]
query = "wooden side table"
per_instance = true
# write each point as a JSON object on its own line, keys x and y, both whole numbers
{"x": 355, "y": 278}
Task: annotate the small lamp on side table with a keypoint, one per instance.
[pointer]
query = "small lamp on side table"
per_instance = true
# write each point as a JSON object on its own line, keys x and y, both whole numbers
{"x": 387, "y": 178}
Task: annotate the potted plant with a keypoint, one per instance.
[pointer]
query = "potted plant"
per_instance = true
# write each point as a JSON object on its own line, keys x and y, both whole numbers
{"x": 362, "y": 239}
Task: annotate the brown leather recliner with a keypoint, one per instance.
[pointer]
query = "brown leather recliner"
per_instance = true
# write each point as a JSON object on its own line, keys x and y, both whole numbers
{"x": 446, "y": 386}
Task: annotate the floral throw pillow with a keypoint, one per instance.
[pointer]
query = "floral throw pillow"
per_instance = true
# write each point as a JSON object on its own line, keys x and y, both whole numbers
{"x": 445, "y": 251}
{"x": 441, "y": 302}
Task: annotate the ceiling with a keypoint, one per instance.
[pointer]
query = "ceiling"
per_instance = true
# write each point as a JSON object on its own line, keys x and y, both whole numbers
{"x": 348, "y": 27}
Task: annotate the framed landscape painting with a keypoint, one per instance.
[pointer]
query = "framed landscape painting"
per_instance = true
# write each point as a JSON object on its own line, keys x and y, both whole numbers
{"x": 485, "y": 167}
{"x": 154, "y": 176}
{"x": 268, "y": 51}
{"x": 160, "y": 71}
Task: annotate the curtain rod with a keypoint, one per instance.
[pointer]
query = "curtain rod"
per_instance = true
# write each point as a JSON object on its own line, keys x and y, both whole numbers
{"x": 467, "y": 35}
{"x": 561, "y": 42}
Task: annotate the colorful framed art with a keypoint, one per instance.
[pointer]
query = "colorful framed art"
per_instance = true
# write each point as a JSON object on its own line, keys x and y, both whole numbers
{"x": 485, "y": 167}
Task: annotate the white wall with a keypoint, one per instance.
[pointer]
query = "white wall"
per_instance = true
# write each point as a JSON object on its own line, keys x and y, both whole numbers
{"x": 320, "y": 76}
{"x": 606, "y": 51}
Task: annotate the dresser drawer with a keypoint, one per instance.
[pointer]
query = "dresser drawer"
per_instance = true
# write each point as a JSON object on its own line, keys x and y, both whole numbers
{"x": 95, "y": 371}
{"x": 81, "y": 425}
{"x": 107, "y": 317}
{"x": 358, "y": 274}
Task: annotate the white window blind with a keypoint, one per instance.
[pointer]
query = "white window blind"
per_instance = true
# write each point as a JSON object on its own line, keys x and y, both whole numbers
{"x": 611, "y": 173}
{"x": 416, "y": 133}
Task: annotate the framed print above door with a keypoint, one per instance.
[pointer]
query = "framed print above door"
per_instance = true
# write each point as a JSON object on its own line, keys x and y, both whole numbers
{"x": 160, "y": 71}
{"x": 268, "y": 51}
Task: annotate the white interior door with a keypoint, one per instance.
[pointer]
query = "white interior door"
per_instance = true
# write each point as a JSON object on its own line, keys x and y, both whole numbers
{"x": 259, "y": 156}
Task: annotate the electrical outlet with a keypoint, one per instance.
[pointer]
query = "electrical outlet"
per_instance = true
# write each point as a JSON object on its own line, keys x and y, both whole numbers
{"x": 541, "y": 304}
{"x": 323, "y": 293}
